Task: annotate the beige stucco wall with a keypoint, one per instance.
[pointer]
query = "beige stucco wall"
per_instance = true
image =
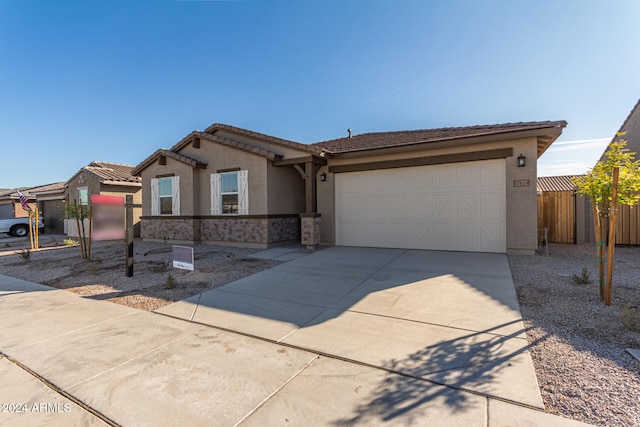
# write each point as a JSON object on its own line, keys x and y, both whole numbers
{"x": 286, "y": 192}
{"x": 521, "y": 203}
{"x": 326, "y": 206}
{"x": 172, "y": 167}
{"x": 82, "y": 180}
{"x": 220, "y": 157}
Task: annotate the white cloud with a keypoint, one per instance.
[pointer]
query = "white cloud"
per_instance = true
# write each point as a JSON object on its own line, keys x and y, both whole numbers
{"x": 571, "y": 157}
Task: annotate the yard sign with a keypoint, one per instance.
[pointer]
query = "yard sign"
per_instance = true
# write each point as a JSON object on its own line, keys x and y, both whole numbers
{"x": 183, "y": 257}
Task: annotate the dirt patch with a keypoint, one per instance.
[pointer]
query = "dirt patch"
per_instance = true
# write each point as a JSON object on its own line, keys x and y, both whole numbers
{"x": 103, "y": 277}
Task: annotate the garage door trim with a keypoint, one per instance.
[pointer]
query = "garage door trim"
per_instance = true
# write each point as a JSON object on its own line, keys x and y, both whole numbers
{"x": 500, "y": 153}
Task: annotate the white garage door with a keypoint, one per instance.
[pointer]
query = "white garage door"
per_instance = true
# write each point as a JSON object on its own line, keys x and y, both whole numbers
{"x": 454, "y": 207}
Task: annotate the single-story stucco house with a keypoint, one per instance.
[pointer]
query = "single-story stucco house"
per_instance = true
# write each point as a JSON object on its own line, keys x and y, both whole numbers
{"x": 51, "y": 199}
{"x": 460, "y": 189}
{"x": 10, "y": 206}
{"x": 107, "y": 179}
{"x": 47, "y": 198}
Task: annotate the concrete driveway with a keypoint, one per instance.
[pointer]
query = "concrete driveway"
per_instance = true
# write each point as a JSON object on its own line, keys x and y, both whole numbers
{"x": 448, "y": 317}
{"x": 343, "y": 336}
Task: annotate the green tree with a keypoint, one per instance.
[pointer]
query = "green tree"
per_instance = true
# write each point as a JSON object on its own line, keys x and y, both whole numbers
{"x": 615, "y": 180}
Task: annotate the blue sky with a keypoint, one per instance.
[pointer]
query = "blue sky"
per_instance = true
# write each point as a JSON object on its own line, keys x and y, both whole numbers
{"x": 115, "y": 80}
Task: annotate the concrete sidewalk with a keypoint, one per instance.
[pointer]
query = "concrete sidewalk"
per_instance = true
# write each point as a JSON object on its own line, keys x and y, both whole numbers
{"x": 86, "y": 362}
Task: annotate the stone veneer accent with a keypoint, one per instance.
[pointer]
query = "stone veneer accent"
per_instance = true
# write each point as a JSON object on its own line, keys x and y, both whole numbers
{"x": 310, "y": 224}
{"x": 243, "y": 229}
{"x": 171, "y": 228}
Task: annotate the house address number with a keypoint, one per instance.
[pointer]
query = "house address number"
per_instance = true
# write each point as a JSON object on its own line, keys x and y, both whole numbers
{"x": 521, "y": 183}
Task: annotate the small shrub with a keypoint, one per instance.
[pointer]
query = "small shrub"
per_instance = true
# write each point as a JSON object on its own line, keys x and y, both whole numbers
{"x": 584, "y": 278}
{"x": 170, "y": 283}
{"x": 7, "y": 245}
{"x": 231, "y": 255}
{"x": 69, "y": 242}
{"x": 26, "y": 255}
{"x": 630, "y": 317}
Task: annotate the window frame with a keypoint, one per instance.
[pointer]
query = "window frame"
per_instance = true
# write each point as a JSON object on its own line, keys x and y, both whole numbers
{"x": 161, "y": 196}
{"x": 156, "y": 198}
{"x": 79, "y": 191}
{"x": 242, "y": 192}
{"x": 230, "y": 193}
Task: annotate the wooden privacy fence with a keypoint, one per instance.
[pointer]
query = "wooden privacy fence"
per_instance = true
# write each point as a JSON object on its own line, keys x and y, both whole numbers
{"x": 628, "y": 225}
{"x": 557, "y": 213}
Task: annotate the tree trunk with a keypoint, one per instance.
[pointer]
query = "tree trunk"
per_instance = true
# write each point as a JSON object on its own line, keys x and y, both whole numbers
{"x": 599, "y": 236}
{"x": 612, "y": 235}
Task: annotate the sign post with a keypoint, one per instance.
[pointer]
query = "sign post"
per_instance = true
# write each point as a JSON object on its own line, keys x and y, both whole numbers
{"x": 128, "y": 236}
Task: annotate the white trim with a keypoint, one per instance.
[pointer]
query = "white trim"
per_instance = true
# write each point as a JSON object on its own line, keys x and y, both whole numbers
{"x": 155, "y": 197}
{"x": 175, "y": 195}
{"x": 243, "y": 192}
{"x": 216, "y": 206}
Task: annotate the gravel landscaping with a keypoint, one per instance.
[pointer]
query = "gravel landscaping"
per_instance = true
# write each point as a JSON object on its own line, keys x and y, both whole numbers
{"x": 578, "y": 344}
{"x": 62, "y": 266}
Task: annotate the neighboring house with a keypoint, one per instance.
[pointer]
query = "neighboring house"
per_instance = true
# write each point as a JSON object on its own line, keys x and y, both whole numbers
{"x": 10, "y": 206}
{"x": 460, "y": 189}
{"x": 103, "y": 178}
{"x": 628, "y": 219}
{"x": 50, "y": 200}
{"x": 566, "y": 215}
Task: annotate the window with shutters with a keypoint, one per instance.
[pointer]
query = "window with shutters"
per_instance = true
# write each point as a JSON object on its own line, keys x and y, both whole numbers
{"x": 229, "y": 193}
{"x": 165, "y": 196}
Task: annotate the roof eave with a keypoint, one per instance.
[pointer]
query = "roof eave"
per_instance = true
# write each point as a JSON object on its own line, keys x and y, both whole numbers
{"x": 264, "y": 137}
{"x": 137, "y": 171}
{"x": 551, "y": 133}
{"x": 122, "y": 183}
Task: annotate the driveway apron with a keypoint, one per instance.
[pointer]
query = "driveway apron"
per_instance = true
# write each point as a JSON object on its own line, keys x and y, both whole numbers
{"x": 451, "y": 318}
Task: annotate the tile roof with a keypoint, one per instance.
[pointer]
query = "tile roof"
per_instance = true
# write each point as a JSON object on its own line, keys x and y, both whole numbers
{"x": 110, "y": 173}
{"x": 556, "y": 183}
{"x": 13, "y": 192}
{"x": 169, "y": 153}
{"x": 376, "y": 140}
{"x": 279, "y": 141}
{"x": 57, "y": 186}
{"x": 30, "y": 192}
{"x": 225, "y": 141}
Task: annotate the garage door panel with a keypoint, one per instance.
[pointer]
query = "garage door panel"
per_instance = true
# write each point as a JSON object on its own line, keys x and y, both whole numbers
{"x": 467, "y": 206}
{"x": 443, "y": 207}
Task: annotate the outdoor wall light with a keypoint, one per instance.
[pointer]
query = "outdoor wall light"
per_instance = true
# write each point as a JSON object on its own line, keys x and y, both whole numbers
{"x": 522, "y": 160}
{"x": 323, "y": 176}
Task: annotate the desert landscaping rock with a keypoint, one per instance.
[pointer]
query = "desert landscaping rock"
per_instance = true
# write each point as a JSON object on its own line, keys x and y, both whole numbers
{"x": 578, "y": 344}
{"x": 103, "y": 277}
